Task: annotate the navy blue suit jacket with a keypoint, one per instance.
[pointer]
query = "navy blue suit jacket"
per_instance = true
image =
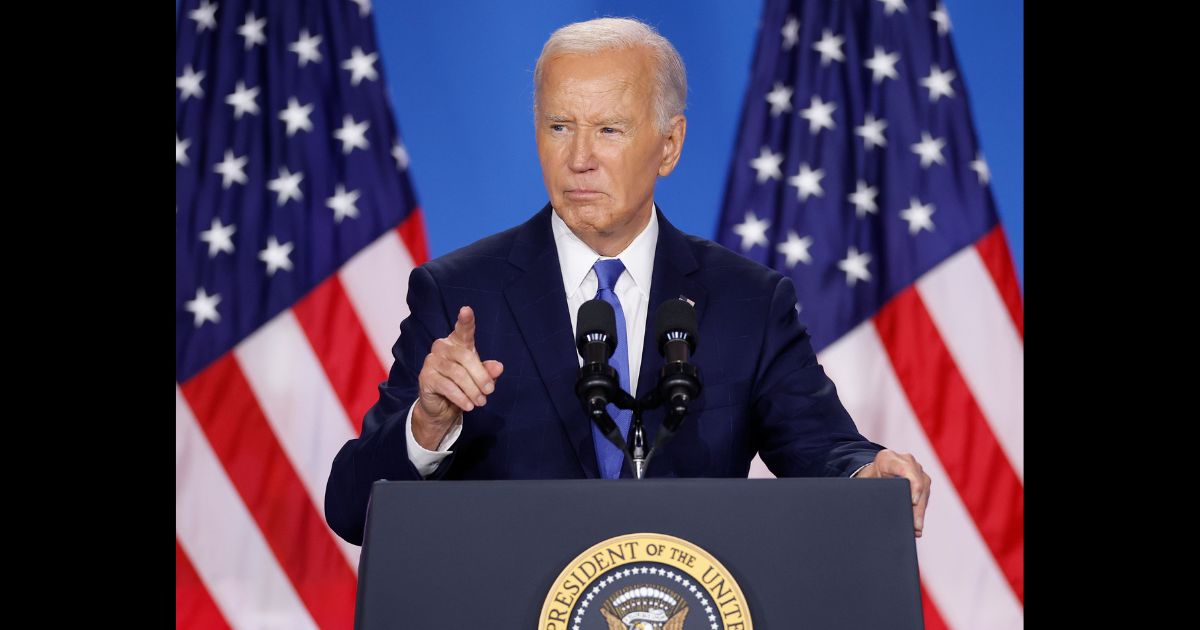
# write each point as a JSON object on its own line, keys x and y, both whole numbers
{"x": 763, "y": 391}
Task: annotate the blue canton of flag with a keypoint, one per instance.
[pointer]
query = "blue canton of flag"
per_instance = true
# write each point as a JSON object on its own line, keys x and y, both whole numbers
{"x": 856, "y": 168}
{"x": 288, "y": 161}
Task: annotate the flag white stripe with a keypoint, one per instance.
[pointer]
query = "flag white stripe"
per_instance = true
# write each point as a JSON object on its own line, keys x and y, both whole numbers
{"x": 376, "y": 281}
{"x": 965, "y": 305}
{"x": 299, "y": 403}
{"x": 222, "y": 540}
{"x": 957, "y": 567}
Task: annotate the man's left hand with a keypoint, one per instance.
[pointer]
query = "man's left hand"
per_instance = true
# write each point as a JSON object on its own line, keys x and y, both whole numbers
{"x": 889, "y": 463}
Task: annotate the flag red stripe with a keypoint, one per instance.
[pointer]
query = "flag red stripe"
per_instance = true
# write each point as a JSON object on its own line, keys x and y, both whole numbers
{"x": 194, "y": 607}
{"x": 232, "y": 420}
{"x": 340, "y": 342}
{"x": 933, "y": 619}
{"x": 993, "y": 249}
{"x": 960, "y": 434}
{"x": 412, "y": 232}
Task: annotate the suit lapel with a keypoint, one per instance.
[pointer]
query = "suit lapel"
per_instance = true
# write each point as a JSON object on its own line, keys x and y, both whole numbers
{"x": 539, "y": 306}
{"x": 674, "y": 269}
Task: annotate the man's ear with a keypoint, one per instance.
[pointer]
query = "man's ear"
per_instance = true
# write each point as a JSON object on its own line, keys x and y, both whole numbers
{"x": 673, "y": 145}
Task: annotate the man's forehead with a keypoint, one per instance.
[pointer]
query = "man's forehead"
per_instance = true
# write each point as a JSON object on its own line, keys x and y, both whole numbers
{"x": 632, "y": 65}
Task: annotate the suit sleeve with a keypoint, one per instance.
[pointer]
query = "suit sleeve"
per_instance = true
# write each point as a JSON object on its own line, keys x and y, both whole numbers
{"x": 381, "y": 452}
{"x": 805, "y": 430}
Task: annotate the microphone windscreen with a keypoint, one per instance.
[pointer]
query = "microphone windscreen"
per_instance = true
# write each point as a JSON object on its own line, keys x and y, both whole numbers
{"x": 675, "y": 316}
{"x": 596, "y": 316}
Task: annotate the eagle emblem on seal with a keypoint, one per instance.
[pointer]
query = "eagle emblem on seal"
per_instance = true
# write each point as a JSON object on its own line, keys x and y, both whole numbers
{"x": 644, "y": 607}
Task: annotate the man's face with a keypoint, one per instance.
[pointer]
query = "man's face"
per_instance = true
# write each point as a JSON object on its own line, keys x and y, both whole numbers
{"x": 599, "y": 144}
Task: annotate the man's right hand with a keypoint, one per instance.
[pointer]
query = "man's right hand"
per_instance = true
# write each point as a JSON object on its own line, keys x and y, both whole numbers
{"x": 452, "y": 380}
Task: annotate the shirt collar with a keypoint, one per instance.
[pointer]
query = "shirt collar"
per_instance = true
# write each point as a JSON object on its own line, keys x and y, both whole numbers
{"x": 575, "y": 258}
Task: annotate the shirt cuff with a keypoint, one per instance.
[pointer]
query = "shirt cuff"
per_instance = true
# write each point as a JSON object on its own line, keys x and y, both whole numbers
{"x": 425, "y": 460}
{"x": 853, "y": 474}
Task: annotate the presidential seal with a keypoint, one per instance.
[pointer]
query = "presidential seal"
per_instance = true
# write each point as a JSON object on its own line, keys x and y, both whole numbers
{"x": 645, "y": 582}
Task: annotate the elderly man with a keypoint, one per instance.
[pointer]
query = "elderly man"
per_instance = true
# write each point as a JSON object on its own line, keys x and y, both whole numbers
{"x": 483, "y": 381}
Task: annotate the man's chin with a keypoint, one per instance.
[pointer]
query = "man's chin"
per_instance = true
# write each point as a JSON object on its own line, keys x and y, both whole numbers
{"x": 584, "y": 215}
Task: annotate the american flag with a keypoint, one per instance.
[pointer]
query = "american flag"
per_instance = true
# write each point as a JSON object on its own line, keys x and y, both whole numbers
{"x": 296, "y": 229}
{"x": 858, "y": 174}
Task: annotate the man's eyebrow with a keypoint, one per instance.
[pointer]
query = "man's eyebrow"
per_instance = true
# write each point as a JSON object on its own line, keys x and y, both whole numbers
{"x": 555, "y": 118}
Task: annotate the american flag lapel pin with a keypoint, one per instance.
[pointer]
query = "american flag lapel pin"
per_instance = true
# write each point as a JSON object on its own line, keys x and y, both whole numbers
{"x": 690, "y": 302}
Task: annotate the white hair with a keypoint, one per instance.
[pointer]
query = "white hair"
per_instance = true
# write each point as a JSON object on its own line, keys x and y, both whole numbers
{"x": 601, "y": 34}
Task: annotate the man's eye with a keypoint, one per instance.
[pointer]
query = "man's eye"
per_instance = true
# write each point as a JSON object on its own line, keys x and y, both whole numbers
{"x": 608, "y": 130}
{"x": 557, "y": 127}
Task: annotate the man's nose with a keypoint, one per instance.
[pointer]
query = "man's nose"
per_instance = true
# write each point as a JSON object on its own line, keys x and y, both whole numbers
{"x": 582, "y": 157}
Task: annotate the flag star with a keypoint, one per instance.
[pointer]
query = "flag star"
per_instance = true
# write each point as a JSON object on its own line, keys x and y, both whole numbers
{"x": 753, "y": 231}
{"x": 242, "y": 100}
{"x": 189, "y": 83}
{"x": 938, "y": 83}
{"x": 795, "y": 249}
{"x": 819, "y": 114}
{"x": 891, "y": 6}
{"x": 352, "y": 134}
{"x": 361, "y": 66}
{"x": 252, "y": 30}
{"x": 204, "y": 307}
{"x": 205, "y": 16}
{"x": 855, "y": 266}
{"x": 863, "y": 199}
{"x": 306, "y": 48}
{"x": 930, "y": 150}
{"x": 276, "y": 256}
{"x": 767, "y": 165}
{"x": 942, "y": 18}
{"x": 296, "y": 116}
{"x": 780, "y": 99}
{"x": 872, "y": 132}
{"x": 364, "y": 7}
{"x": 181, "y": 147}
{"x": 978, "y": 165}
{"x": 218, "y": 238}
{"x": 287, "y": 186}
{"x": 231, "y": 169}
{"x": 400, "y": 154}
{"x": 830, "y": 47}
{"x": 918, "y": 216}
{"x": 807, "y": 182}
{"x": 791, "y": 32}
{"x": 883, "y": 65}
{"x": 342, "y": 203}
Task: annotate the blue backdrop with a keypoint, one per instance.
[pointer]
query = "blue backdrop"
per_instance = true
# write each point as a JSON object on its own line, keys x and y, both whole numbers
{"x": 460, "y": 78}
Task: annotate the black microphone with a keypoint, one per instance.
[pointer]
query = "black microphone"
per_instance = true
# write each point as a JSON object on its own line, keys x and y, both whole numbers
{"x": 679, "y": 380}
{"x": 596, "y": 331}
{"x": 596, "y": 340}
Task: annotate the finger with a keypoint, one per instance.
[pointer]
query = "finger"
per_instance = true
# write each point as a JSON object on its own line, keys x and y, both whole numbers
{"x": 464, "y": 328}
{"x": 494, "y": 368}
{"x": 447, "y": 389}
{"x": 461, "y": 377}
{"x": 920, "y": 506}
{"x": 469, "y": 360}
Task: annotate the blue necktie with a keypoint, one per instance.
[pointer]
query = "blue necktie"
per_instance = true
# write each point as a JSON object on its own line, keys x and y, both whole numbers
{"x": 608, "y": 456}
